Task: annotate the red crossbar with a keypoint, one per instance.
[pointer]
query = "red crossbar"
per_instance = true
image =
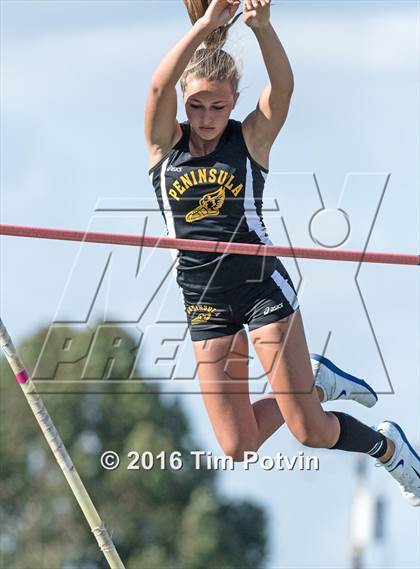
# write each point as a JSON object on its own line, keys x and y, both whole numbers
{"x": 209, "y": 246}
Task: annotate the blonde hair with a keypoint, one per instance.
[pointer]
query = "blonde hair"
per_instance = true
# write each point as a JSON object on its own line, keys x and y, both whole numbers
{"x": 211, "y": 62}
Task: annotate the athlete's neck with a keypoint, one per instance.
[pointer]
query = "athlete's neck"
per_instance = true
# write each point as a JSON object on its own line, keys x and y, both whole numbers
{"x": 200, "y": 146}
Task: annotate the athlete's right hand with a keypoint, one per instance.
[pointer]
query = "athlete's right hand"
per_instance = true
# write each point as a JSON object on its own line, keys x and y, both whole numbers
{"x": 220, "y": 12}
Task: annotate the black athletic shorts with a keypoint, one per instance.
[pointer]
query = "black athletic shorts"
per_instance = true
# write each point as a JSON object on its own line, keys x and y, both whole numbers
{"x": 212, "y": 315}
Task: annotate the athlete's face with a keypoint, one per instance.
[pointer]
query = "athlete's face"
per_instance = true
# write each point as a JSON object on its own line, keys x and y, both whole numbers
{"x": 208, "y": 105}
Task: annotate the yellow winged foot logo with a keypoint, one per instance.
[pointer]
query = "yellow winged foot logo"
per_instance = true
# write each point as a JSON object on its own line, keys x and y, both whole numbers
{"x": 210, "y": 204}
{"x": 201, "y": 318}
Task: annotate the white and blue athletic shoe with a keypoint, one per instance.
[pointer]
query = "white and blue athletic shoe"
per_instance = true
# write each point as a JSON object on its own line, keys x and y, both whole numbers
{"x": 404, "y": 466}
{"x": 338, "y": 385}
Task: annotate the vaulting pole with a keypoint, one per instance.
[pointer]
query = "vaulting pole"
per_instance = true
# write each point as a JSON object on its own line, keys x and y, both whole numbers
{"x": 209, "y": 246}
{"x": 57, "y": 446}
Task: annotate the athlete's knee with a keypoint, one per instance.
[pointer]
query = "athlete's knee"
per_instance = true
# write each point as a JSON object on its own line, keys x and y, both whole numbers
{"x": 310, "y": 434}
{"x": 237, "y": 447}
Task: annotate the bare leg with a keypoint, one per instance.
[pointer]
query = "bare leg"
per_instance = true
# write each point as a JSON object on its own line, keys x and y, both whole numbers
{"x": 223, "y": 372}
{"x": 268, "y": 417}
{"x": 283, "y": 352}
{"x": 238, "y": 424}
{"x": 282, "y": 349}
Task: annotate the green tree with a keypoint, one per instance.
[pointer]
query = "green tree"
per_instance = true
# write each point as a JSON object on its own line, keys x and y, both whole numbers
{"x": 160, "y": 518}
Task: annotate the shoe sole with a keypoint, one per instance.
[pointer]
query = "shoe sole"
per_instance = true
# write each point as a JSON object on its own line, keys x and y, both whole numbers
{"x": 328, "y": 363}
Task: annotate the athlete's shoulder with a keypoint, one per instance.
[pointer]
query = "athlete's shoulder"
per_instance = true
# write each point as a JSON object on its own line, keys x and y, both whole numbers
{"x": 257, "y": 157}
{"x": 240, "y": 137}
{"x": 157, "y": 158}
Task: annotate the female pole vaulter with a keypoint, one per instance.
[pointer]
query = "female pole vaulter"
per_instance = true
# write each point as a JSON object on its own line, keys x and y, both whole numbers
{"x": 208, "y": 174}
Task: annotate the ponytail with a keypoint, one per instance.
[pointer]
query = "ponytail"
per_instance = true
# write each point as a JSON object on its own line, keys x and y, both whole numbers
{"x": 196, "y": 10}
{"x": 211, "y": 62}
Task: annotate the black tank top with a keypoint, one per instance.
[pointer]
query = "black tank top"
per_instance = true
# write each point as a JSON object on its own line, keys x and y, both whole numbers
{"x": 216, "y": 197}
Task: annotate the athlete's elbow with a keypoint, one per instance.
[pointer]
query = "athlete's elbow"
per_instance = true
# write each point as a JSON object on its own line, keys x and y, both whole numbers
{"x": 290, "y": 83}
{"x": 160, "y": 85}
{"x": 285, "y": 86}
{"x": 280, "y": 97}
{"x": 156, "y": 89}
{"x": 284, "y": 91}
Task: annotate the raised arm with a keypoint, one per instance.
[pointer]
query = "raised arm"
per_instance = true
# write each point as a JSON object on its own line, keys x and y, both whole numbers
{"x": 265, "y": 122}
{"x": 161, "y": 127}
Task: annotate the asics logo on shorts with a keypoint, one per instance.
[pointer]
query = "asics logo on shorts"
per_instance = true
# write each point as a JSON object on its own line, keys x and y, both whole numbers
{"x": 271, "y": 309}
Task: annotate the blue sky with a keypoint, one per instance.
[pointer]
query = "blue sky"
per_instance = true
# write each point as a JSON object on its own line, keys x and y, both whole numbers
{"x": 74, "y": 79}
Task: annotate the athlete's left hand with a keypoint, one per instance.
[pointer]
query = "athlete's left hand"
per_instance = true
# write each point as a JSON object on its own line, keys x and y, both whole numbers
{"x": 257, "y": 13}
